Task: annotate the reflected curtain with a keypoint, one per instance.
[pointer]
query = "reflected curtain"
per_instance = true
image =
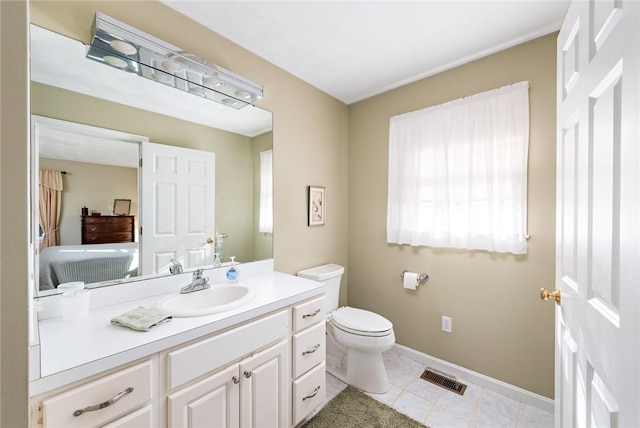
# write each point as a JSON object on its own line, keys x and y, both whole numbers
{"x": 265, "y": 222}
{"x": 458, "y": 173}
{"x": 50, "y": 202}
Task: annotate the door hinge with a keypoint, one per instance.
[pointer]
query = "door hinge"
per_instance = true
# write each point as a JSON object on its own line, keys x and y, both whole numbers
{"x": 140, "y": 162}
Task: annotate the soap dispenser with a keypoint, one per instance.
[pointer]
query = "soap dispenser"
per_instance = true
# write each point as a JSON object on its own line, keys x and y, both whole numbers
{"x": 232, "y": 272}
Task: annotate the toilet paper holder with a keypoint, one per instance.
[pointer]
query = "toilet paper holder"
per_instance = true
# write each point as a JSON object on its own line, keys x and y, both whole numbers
{"x": 422, "y": 278}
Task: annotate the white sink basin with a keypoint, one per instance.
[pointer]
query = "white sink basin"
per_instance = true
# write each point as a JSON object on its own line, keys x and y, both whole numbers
{"x": 205, "y": 302}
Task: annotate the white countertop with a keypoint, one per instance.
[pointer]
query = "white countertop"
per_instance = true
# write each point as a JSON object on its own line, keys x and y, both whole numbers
{"x": 72, "y": 350}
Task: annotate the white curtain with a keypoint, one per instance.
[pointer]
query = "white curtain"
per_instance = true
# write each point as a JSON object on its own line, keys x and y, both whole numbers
{"x": 265, "y": 223}
{"x": 458, "y": 173}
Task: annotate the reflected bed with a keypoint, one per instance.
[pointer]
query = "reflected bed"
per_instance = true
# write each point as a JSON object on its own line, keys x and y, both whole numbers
{"x": 87, "y": 263}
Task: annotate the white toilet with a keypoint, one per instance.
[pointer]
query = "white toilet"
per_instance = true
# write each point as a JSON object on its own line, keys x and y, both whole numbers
{"x": 356, "y": 338}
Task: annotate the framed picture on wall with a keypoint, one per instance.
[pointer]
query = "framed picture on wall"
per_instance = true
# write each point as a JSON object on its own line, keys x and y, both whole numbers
{"x": 121, "y": 206}
{"x": 317, "y": 205}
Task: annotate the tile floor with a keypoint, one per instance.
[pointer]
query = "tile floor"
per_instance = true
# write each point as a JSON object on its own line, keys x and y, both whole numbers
{"x": 438, "y": 408}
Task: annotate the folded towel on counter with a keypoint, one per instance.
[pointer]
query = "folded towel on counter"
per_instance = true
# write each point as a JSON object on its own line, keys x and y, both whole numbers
{"x": 141, "y": 319}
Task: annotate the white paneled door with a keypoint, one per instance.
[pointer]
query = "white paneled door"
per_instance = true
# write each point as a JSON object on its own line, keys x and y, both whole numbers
{"x": 178, "y": 207}
{"x": 597, "y": 254}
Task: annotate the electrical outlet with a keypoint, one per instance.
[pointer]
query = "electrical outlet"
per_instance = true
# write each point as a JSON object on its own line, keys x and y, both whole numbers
{"x": 446, "y": 324}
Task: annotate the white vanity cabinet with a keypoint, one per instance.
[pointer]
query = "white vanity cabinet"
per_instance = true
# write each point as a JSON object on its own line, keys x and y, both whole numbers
{"x": 260, "y": 367}
{"x": 251, "y": 392}
{"x": 308, "y": 357}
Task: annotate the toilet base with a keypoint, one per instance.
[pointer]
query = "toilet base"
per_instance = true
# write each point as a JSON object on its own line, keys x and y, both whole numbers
{"x": 362, "y": 369}
{"x": 368, "y": 372}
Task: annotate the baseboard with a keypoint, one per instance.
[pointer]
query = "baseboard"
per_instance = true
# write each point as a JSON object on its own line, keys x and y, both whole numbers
{"x": 538, "y": 401}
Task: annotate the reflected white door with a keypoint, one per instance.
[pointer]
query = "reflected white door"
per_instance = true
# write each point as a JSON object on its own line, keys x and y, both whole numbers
{"x": 178, "y": 207}
{"x": 597, "y": 253}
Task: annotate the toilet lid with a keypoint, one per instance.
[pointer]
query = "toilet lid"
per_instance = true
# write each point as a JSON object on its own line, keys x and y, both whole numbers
{"x": 361, "y": 320}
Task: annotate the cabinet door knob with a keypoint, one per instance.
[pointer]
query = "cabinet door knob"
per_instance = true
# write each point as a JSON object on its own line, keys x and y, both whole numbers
{"x": 247, "y": 374}
{"x": 104, "y": 403}
{"x": 235, "y": 379}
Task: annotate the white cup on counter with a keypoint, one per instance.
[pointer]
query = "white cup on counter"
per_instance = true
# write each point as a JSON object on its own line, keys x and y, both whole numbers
{"x": 74, "y": 300}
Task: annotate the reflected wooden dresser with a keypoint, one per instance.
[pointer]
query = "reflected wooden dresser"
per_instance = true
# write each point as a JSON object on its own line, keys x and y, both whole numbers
{"x": 108, "y": 229}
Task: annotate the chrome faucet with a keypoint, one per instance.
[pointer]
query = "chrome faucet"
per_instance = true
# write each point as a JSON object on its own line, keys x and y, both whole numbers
{"x": 198, "y": 283}
{"x": 175, "y": 267}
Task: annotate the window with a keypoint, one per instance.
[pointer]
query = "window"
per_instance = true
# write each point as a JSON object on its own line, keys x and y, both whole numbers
{"x": 458, "y": 173}
{"x": 265, "y": 222}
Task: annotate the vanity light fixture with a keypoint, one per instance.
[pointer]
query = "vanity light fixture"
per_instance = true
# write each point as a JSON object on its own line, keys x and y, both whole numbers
{"x": 119, "y": 45}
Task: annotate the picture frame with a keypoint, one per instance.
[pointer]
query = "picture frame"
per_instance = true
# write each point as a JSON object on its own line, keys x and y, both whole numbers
{"x": 121, "y": 206}
{"x": 317, "y": 205}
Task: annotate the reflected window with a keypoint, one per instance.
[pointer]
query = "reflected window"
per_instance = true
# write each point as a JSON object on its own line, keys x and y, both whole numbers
{"x": 266, "y": 192}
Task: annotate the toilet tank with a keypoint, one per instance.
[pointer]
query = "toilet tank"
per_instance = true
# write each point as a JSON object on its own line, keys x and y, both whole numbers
{"x": 331, "y": 275}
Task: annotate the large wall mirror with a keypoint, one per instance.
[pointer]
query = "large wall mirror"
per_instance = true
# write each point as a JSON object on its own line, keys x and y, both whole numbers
{"x": 90, "y": 121}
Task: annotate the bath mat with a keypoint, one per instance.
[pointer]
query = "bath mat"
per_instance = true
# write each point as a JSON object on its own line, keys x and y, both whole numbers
{"x": 353, "y": 408}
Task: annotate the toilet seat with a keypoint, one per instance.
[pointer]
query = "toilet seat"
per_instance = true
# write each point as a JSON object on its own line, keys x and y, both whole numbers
{"x": 361, "y": 322}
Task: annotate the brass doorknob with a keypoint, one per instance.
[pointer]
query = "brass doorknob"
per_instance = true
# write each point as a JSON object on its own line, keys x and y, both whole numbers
{"x": 209, "y": 241}
{"x": 546, "y": 295}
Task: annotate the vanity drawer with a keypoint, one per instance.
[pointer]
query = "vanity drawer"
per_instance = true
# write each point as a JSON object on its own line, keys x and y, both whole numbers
{"x": 57, "y": 411}
{"x": 309, "y": 392}
{"x": 308, "y": 313}
{"x": 192, "y": 361}
{"x": 308, "y": 348}
{"x": 139, "y": 419}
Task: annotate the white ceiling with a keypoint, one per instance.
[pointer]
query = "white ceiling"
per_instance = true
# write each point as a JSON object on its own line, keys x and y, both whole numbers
{"x": 353, "y": 50}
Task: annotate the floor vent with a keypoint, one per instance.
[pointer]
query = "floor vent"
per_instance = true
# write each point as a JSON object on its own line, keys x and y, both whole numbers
{"x": 447, "y": 383}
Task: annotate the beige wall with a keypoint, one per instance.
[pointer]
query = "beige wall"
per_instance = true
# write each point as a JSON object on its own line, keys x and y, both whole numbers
{"x": 14, "y": 213}
{"x": 500, "y": 327}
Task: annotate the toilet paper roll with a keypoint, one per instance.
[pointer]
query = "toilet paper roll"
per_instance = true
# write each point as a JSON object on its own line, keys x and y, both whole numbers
{"x": 411, "y": 280}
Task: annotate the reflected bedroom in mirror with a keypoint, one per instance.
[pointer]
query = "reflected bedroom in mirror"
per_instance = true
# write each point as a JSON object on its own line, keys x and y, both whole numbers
{"x": 132, "y": 176}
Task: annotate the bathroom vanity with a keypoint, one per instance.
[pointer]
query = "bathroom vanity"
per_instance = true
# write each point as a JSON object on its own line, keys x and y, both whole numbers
{"x": 261, "y": 364}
